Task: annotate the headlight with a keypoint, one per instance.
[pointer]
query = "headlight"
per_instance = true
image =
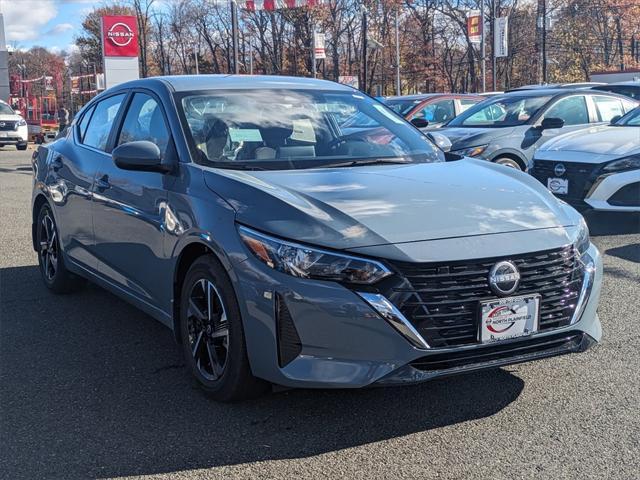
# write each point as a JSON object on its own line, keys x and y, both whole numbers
{"x": 582, "y": 240}
{"x": 471, "y": 151}
{"x": 21, "y": 123}
{"x": 305, "y": 262}
{"x": 627, "y": 163}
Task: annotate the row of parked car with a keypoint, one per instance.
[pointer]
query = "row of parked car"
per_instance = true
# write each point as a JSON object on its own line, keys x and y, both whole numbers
{"x": 581, "y": 140}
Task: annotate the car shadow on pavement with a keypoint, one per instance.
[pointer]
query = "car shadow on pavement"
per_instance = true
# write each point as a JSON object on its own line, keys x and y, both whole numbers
{"x": 91, "y": 387}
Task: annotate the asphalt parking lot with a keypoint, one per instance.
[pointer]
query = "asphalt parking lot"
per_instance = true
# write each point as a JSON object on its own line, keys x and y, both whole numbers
{"x": 92, "y": 388}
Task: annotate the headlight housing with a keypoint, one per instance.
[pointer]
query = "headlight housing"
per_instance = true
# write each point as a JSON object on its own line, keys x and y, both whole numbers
{"x": 582, "y": 239}
{"x": 472, "y": 151}
{"x": 21, "y": 123}
{"x": 631, "y": 162}
{"x": 306, "y": 262}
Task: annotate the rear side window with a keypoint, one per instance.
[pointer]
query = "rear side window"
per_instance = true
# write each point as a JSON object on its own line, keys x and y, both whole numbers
{"x": 144, "y": 121}
{"x": 573, "y": 110}
{"x": 104, "y": 114}
{"x": 82, "y": 126}
{"x": 437, "y": 112}
{"x": 607, "y": 108}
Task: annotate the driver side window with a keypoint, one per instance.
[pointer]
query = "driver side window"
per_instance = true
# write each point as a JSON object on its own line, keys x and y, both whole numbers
{"x": 573, "y": 110}
{"x": 144, "y": 121}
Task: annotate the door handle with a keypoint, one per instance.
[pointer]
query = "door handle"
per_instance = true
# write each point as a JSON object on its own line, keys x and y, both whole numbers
{"x": 102, "y": 183}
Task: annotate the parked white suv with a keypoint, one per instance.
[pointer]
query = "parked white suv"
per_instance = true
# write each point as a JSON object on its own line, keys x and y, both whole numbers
{"x": 597, "y": 167}
{"x": 13, "y": 128}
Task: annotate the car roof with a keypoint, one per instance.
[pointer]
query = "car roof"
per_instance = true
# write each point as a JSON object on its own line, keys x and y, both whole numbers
{"x": 628, "y": 83}
{"x": 186, "y": 83}
{"x": 424, "y": 96}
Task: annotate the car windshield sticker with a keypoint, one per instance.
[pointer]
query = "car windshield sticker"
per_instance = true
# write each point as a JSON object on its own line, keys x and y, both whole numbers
{"x": 245, "y": 135}
{"x": 303, "y": 131}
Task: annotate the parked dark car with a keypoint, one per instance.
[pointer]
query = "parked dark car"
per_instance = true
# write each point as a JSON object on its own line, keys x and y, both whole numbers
{"x": 283, "y": 250}
{"x": 431, "y": 109}
{"x": 628, "y": 89}
{"x": 507, "y": 129}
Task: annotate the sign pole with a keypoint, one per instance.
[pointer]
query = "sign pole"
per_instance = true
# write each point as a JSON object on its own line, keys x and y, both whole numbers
{"x": 234, "y": 34}
{"x": 483, "y": 52}
{"x": 313, "y": 52}
{"x": 398, "y": 86}
{"x": 493, "y": 49}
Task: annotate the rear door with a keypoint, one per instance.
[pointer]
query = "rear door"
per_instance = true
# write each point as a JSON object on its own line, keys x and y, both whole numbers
{"x": 70, "y": 181}
{"x": 129, "y": 208}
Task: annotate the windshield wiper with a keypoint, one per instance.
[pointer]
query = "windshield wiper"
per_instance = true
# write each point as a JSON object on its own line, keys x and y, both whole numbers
{"x": 373, "y": 161}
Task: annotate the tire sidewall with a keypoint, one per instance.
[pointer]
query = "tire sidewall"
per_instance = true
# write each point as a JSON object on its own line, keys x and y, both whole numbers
{"x": 508, "y": 162}
{"x": 209, "y": 269}
{"x": 44, "y": 210}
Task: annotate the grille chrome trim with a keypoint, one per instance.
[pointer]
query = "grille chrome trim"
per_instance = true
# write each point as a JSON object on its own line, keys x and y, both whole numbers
{"x": 440, "y": 300}
{"x": 391, "y": 314}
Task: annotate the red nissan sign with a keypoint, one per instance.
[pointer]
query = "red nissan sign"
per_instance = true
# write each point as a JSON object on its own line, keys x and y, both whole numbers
{"x": 120, "y": 36}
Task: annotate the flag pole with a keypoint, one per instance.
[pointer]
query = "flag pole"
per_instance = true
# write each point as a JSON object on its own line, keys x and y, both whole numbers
{"x": 235, "y": 35}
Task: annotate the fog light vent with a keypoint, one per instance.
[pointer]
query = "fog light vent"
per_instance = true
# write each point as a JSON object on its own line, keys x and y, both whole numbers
{"x": 289, "y": 345}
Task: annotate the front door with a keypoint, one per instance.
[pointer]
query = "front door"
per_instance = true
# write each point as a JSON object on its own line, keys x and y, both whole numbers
{"x": 128, "y": 211}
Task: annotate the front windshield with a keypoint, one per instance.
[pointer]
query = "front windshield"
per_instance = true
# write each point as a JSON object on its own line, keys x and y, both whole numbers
{"x": 506, "y": 111}
{"x": 283, "y": 129}
{"x": 6, "y": 109}
{"x": 402, "y": 106}
{"x": 631, "y": 119}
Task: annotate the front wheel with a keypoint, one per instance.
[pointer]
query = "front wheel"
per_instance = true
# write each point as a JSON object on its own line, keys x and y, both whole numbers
{"x": 508, "y": 162}
{"x": 54, "y": 272}
{"x": 213, "y": 336}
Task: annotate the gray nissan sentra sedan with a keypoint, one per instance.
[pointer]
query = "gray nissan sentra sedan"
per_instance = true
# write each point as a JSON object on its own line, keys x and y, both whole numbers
{"x": 282, "y": 250}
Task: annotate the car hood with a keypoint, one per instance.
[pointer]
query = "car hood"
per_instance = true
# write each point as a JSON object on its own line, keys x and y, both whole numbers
{"x": 376, "y": 205}
{"x": 601, "y": 140}
{"x": 462, "y": 137}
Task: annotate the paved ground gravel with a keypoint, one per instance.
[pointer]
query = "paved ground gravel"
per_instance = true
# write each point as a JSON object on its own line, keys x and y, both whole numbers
{"x": 92, "y": 388}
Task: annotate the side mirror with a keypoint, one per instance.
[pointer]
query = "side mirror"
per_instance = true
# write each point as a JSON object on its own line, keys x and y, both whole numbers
{"x": 419, "y": 122}
{"x": 615, "y": 119}
{"x": 440, "y": 140}
{"x": 552, "y": 122}
{"x": 140, "y": 155}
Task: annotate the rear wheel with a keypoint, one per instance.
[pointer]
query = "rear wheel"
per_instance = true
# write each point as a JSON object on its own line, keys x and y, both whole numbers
{"x": 54, "y": 272}
{"x": 212, "y": 334}
{"x": 509, "y": 162}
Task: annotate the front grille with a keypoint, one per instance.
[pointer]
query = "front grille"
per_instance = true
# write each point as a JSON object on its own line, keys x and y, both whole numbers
{"x": 7, "y": 125}
{"x": 442, "y": 300}
{"x": 581, "y": 176}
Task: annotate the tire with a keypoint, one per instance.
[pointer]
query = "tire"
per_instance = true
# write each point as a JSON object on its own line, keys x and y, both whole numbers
{"x": 50, "y": 259}
{"x": 213, "y": 336}
{"x": 508, "y": 162}
{"x": 21, "y": 147}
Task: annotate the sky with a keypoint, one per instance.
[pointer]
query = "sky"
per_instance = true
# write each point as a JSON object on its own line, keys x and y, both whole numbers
{"x": 49, "y": 23}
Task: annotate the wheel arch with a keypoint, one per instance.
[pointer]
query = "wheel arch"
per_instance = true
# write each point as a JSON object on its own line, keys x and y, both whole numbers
{"x": 38, "y": 202}
{"x": 512, "y": 155}
{"x": 189, "y": 254}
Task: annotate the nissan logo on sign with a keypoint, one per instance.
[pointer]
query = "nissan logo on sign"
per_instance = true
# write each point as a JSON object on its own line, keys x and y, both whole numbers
{"x": 120, "y": 34}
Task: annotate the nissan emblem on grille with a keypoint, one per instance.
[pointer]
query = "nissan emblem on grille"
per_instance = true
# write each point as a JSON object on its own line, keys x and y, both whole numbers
{"x": 504, "y": 278}
{"x": 559, "y": 169}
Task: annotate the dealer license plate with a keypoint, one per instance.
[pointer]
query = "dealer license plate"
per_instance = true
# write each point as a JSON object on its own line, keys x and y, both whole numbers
{"x": 506, "y": 318}
{"x": 559, "y": 186}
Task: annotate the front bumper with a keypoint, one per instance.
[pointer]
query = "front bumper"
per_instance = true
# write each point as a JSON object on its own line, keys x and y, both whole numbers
{"x": 14, "y": 137}
{"x": 341, "y": 341}
{"x": 605, "y": 194}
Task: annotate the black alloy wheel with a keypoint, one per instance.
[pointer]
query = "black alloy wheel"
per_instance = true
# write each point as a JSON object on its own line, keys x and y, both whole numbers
{"x": 212, "y": 334}
{"x": 48, "y": 246}
{"x": 208, "y": 329}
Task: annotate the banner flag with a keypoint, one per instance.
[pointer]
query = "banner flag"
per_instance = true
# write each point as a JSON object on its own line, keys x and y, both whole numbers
{"x": 501, "y": 43}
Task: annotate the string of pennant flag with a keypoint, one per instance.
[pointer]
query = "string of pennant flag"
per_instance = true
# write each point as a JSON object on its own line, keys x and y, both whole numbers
{"x": 271, "y": 5}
